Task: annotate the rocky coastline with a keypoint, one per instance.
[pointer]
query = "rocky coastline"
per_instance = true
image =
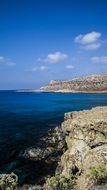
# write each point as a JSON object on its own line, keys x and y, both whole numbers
{"x": 89, "y": 84}
{"x": 72, "y": 156}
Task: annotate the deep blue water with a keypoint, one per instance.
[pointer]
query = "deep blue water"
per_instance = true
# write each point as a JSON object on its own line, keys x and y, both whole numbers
{"x": 24, "y": 117}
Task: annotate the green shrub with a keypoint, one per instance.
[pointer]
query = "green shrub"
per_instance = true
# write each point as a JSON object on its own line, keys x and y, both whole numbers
{"x": 60, "y": 183}
{"x": 97, "y": 172}
{"x": 8, "y": 182}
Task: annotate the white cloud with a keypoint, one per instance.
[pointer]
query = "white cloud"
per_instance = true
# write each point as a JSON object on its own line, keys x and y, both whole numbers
{"x": 89, "y": 41}
{"x": 54, "y": 57}
{"x": 6, "y": 61}
{"x": 91, "y": 46}
{"x": 41, "y": 68}
{"x": 69, "y": 67}
{"x": 99, "y": 59}
{"x": 88, "y": 38}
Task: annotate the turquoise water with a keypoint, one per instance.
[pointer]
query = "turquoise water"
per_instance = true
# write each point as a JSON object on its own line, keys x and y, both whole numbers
{"x": 25, "y": 117}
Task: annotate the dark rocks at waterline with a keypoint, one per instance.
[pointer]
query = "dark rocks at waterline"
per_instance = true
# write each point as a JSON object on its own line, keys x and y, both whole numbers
{"x": 49, "y": 147}
{"x": 35, "y": 164}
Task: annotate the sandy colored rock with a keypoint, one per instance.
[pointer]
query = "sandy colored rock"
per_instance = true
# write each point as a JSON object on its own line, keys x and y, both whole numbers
{"x": 86, "y": 155}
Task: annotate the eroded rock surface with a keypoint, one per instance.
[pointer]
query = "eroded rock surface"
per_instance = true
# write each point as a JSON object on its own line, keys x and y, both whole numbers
{"x": 86, "y": 155}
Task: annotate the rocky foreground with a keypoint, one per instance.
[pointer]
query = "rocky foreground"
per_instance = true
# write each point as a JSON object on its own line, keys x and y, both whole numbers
{"x": 77, "y": 150}
{"x": 90, "y": 84}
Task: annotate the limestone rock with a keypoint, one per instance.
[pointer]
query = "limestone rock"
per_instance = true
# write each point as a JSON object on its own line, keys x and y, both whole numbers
{"x": 86, "y": 138}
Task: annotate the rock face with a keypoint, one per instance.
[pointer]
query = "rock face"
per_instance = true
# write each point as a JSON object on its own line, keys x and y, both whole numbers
{"x": 86, "y": 154}
{"x": 93, "y": 83}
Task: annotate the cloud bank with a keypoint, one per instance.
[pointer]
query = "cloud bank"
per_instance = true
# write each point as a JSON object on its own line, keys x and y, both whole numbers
{"x": 54, "y": 57}
{"x": 88, "y": 38}
{"x": 89, "y": 41}
{"x": 99, "y": 59}
{"x": 41, "y": 68}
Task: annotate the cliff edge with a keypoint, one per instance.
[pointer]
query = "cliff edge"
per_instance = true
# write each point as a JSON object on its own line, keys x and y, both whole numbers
{"x": 83, "y": 165}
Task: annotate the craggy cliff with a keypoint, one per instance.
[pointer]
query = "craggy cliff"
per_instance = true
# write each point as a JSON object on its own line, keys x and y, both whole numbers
{"x": 77, "y": 149}
{"x": 92, "y": 83}
{"x": 83, "y": 165}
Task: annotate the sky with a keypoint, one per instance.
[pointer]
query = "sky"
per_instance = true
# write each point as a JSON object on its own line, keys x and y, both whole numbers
{"x": 43, "y": 40}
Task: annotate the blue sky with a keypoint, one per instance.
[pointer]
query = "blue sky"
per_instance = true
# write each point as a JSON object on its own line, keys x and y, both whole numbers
{"x": 41, "y": 40}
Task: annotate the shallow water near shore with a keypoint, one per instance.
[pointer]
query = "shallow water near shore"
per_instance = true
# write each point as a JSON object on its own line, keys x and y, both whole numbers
{"x": 25, "y": 117}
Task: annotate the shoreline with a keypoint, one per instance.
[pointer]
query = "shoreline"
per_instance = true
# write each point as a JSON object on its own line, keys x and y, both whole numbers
{"x": 64, "y": 92}
{"x": 69, "y": 154}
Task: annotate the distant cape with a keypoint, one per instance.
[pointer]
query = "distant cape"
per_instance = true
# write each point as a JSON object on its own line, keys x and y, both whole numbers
{"x": 90, "y": 84}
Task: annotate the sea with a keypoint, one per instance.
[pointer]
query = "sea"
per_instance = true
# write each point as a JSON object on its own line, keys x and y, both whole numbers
{"x": 27, "y": 116}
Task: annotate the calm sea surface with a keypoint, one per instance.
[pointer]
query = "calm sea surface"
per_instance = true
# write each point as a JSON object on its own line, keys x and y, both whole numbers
{"x": 25, "y": 117}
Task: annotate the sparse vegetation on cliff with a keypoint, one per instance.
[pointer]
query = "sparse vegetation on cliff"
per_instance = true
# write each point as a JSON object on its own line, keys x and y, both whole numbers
{"x": 58, "y": 182}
